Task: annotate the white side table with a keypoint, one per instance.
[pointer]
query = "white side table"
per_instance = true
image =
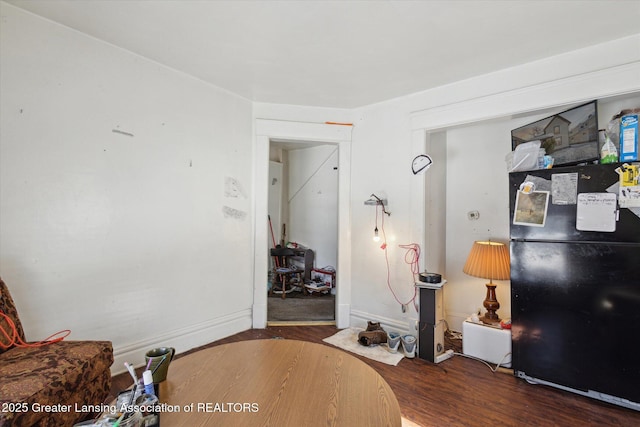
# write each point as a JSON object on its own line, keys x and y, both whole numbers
{"x": 489, "y": 343}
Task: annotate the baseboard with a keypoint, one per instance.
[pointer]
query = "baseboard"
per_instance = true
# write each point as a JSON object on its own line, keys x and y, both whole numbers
{"x": 182, "y": 339}
{"x": 301, "y": 323}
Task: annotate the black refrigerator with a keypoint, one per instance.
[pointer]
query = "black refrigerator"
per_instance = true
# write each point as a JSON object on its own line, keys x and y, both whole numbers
{"x": 575, "y": 282}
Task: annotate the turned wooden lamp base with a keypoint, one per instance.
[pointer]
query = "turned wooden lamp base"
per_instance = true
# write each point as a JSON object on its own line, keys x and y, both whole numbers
{"x": 491, "y": 304}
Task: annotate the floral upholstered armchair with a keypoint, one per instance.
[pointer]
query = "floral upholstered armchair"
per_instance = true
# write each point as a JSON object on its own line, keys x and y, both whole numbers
{"x": 48, "y": 385}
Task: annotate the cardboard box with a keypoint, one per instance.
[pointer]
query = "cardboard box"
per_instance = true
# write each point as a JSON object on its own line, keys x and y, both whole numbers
{"x": 326, "y": 277}
{"x": 629, "y": 137}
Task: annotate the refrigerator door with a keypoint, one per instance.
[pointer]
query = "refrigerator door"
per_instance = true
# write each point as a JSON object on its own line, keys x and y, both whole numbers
{"x": 560, "y": 222}
{"x": 576, "y": 315}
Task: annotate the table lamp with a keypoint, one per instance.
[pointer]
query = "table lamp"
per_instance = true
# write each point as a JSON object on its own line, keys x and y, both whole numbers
{"x": 489, "y": 260}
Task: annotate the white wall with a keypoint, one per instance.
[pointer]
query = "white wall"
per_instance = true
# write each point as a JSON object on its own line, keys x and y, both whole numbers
{"x": 312, "y": 199}
{"x": 266, "y": 131}
{"x": 382, "y": 154}
{"x": 102, "y": 231}
{"x": 477, "y": 181}
{"x": 496, "y": 104}
{"x": 473, "y": 118}
{"x": 125, "y": 194}
{"x": 275, "y": 211}
{"x": 382, "y": 150}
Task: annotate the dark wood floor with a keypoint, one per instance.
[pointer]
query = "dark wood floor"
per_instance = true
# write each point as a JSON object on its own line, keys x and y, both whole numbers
{"x": 460, "y": 391}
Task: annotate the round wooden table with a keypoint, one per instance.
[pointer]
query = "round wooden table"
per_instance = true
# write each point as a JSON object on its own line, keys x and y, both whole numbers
{"x": 275, "y": 382}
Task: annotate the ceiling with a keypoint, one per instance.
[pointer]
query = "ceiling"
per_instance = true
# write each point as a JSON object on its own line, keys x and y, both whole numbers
{"x": 342, "y": 54}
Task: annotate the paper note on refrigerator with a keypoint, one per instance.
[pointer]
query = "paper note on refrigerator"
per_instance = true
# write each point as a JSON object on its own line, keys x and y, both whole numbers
{"x": 596, "y": 212}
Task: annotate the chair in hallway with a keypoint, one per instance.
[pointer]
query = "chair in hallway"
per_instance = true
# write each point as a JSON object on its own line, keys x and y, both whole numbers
{"x": 288, "y": 274}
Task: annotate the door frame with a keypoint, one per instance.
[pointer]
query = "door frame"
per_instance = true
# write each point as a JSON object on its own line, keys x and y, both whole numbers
{"x": 302, "y": 133}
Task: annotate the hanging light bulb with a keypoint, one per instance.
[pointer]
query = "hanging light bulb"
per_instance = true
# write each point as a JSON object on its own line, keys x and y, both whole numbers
{"x": 376, "y": 237}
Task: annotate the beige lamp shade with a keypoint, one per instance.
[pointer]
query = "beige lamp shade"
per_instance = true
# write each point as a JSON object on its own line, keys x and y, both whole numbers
{"x": 488, "y": 260}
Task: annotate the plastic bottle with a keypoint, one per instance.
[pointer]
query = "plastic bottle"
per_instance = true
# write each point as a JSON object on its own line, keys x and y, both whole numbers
{"x": 147, "y": 377}
{"x": 608, "y": 152}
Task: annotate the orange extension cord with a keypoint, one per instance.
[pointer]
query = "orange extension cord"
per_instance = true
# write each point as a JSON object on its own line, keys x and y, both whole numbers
{"x": 14, "y": 339}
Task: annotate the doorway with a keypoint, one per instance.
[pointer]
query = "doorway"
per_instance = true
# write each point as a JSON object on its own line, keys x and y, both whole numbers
{"x": 301, "y": 133}
{"x": 303, "y": 216}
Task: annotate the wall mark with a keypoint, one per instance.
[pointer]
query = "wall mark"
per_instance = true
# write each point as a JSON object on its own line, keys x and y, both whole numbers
{"x": 121, "y": 132}
{"x": 232, "y": 188}
{"x": 232, "y": 213}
